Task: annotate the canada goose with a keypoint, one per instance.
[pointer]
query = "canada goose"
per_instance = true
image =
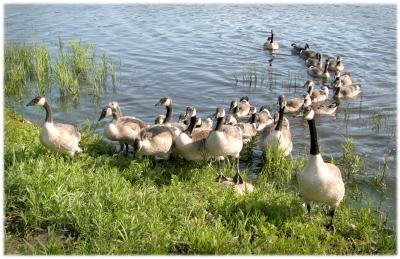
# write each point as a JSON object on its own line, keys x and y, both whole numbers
{"x": 270, "y": 43}
{"x": 176, "y": 127}
{"x": 297, "y": 48}
{"x": 280, "y": 135}
{"x": 307, "y": 53}
{"x": 230, "y": 120}
{"x": 123, "y": 129}
{"x": 240, "y": 109}
{"x": 159, "y": 119}
{"x": 238, "y": 188}
{"x": 249, "y": 129}
{"x": 320, "y": 109}
{"x": 345, "y": 78}
{"x": 155, "y": 141}
{"x": 225, "y": 140}
{"x": 320, "y": 181}
{"x": 317, "y": 95}
{"x": 263, "y": 118}
{"x": 294, "y": 105}
{"x": 336, "y": 65}
{"x": 58, "y": 137}
{"x": 348, "y": 91}
{"x": 314, "y": 61}
{"x": 317, "y": 71}
{"x": 191, "y": 144}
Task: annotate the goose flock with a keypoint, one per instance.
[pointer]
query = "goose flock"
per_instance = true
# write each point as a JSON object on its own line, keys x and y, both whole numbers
{"x": 196, "y": 139}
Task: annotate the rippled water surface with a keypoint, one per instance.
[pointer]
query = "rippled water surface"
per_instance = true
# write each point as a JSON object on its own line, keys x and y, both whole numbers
{"x": 198, "y": 55}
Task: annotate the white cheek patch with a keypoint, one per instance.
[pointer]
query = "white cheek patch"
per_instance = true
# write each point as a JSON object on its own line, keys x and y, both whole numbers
{"x": 41, "y": 102}
{"x": 108, "y": 112}
{"x": 310, "y": 115}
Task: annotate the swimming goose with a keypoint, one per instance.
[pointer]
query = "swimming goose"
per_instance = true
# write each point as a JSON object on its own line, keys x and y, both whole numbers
{"x": 124, "y": 129}
{"x": 317, "y": 95}
{"x": 270, "y": 43}
{"x": 320, "y": 109}
{"x": 336, "y": 65}
{"x": 176, "y": 127}
{"x": 317, "y": 71}
{"x": 307, "y": 53}
{"x": 294, "y": 105}
{"x": 314, "y": 61}
{"x": 280, "y": 136}
{"x": 58, "y": 137}
{"x": 240, "y": 109}
{"x": 225, "y": 140}
{"x": 249, "y": 129}
{"x": 297, "y": 48}
{"x": 191, "y": 144}
{"x": 345, "y": 78}
{"x": 348, "y": 91}
{"x": 155, "y": 141}
{"x": 319, "y": 181}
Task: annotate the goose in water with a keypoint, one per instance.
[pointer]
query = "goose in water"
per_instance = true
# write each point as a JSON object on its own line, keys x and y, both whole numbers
{"x": 191, "y": 144}
{"x": 58, "y": 137}
{"x": 314, "y": 61}
{"x": 240, "y": 109}
{"x": 280, "y": 136}
{"x": 297, "y": 48}
{"x": 320, "y": 109}
{"x": 249, "y": 129}
{"x": 124, "y": 129}
{"x": 263, "y": 118}
{"x": 225, "y": 140}
{"x": 336, "y": 65}
{"x": 271, "y": 44}
{"x": 176, "y": 127}
{"x": 319, "y": 181}
{"x": 344, "y": 78}
{"x": 317, "y": 95}
{"x": 317, "y": 71}
{"x": 307, "y": 53}
{"x": 348, "y": 91}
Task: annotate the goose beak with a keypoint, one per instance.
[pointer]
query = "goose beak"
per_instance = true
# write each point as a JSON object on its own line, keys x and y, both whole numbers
{"x": 31, "y": 103}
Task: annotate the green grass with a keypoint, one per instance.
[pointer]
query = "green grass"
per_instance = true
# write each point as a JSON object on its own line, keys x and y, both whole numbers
{"x": 103, "y": 203}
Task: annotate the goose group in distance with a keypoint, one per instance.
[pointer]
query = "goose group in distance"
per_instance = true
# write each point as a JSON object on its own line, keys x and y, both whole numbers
{"x": 220, "y": 136}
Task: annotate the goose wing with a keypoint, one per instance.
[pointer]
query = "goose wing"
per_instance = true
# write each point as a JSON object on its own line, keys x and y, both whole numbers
{"x": 68, "y": 130}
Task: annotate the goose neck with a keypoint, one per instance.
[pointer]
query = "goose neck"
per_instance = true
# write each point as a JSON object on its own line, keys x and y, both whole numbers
{"x": 314, "y": 148}
{"x": 280, "y": 120}
{"x": 49, "y": 113}
{"x": 168, "y": 116}
{"x": 189, "y": 130}
{"x": 220, "y": 123}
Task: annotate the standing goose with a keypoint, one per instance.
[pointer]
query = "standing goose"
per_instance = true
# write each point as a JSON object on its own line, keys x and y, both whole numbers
{"x": 336, "y": 65}
{"x": 263, "y": 118}
{"x": 314, "y": 61}
{"x": 320, "y": 109}
{"x": 58, "y": 137}
{"x": 297, "y": 48}
{"x": 317, "y": 71}
{"x": 191, "y": 144}
{"x": 344, "y": 78}
{"x": 319, "y": 181}
{"x": 240, "y": 109}
{"x": 249, "y": 129}
{"x": 155, "y": 141}
{"x": 280, "y": 136}
{"x": 270, "y": 43}
{"x": 124, "y": 129}
{"x": 176, "y": 127}
{"x": 225, "y": 140}
{"x": 348, "y": 91}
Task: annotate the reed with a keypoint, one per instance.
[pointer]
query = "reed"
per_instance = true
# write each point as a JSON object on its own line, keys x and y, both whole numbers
{"x": 78, "y": 58}
{"x": 42, "y": 62}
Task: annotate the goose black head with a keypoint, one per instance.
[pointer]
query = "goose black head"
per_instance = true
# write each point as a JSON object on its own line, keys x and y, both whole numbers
{"x": 106, "y": 111}
{"x": 244, "y": 98}
{"x": 190, "y": 111}
{"x": 37, "y": 101}
{"x": 234, "y": 103}
{"x": 165, "y": 101}
{"x": 219, "y": 113}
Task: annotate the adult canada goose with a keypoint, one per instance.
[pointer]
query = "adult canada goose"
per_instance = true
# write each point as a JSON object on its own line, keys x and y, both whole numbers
{"x": 176, "y": 127}
{"x": 191, "y": 144}
{"x": 348, "y": 91}
{"x": 225, "y": 140}
{"x": 307, "y": 53}
{"x": 58, "y": 137}
{"x": 317, "y": 71}
{"x": 345, "y": 78}
{"x": 314, "y": 61}
{"x": 240, "y": 109}
{"x": 249, "y": 129}
{"x": 319, "y": 181}
{"x": 123, "y": 129}
{"x": 280, "y": 136}
{"x": 320, "y": 109}
{"x": 238, "y": 188}
{"x": 155, "y": 141}
{"x": 294, "y": 105}
{"x": 271, "y": 44}
{"x": 336, "y": 65}
{"x": 317, "y": 95}
{"x": 297, "y": 48}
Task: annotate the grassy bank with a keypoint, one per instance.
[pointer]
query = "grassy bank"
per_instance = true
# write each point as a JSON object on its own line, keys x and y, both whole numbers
{"x": 104, "y": 203}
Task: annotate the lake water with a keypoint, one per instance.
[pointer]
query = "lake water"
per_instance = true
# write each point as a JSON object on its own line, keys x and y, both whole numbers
{"x": 198, "y": 55}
